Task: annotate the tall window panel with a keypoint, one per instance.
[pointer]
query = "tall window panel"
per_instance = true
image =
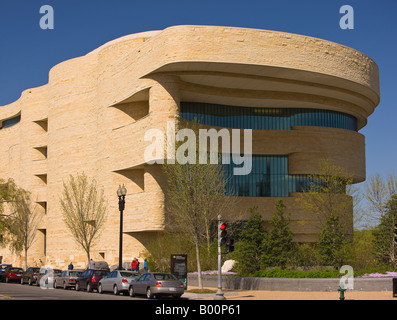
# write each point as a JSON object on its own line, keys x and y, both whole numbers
{"x": 268, "y": 178}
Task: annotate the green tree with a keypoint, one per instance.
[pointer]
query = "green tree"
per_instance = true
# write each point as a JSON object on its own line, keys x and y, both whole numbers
{"x": 195, "y": 192}
{"x": 277, "y": 247}
{"x": 325, "y": 196}
{"x": 332, "y": 242}
{"x": 385, "y": 248}
{"x": 8, "y": 190}
{"x": 361, "y": 250}
{"x": 19, "y": 219}
{"x": 22, "y": 223}
{"x": 248, "y": 249}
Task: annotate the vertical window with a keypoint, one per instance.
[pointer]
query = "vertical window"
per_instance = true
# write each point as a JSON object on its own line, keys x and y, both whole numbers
{"x": 269, "y": 178}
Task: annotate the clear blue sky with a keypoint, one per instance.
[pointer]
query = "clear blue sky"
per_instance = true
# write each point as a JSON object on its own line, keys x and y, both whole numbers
{"x": 27, "y": 52}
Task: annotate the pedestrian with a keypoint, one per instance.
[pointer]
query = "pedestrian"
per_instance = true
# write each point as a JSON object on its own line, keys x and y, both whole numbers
{"x": 133, "y": 264}
{"x": 70, "y": 266}
{"x": 145, "y": 266}
{"x": 92, "y": 264}
{"x": 137, "y": 265}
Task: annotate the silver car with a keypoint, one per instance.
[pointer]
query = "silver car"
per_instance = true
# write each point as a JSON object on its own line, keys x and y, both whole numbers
{"x": 117, "y": 281}
{"x": 155, "y": 284}
{"x": 67, "y": 278}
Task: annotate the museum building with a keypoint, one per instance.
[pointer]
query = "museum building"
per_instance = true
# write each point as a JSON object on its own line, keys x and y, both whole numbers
{"x": 305, "y": 99}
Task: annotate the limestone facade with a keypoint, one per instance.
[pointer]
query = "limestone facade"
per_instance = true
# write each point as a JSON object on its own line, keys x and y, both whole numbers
{"x": 92, "y": 115}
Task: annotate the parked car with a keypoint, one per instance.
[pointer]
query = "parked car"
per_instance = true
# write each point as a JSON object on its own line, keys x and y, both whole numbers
{"x": 90, "y": 278}
{"x": 30, "y": 275}
{"x": 50, "y": 276}
{"x": 13, "y": 274}
{"x": 117, "y": 281}
{"x": 155, "y": 284}
{"x": 3, "y": 268}
{"x": 67, "y": 278}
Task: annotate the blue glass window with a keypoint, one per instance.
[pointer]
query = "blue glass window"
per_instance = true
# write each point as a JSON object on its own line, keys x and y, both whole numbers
{"x": 264, "y": 118}
{"x": 268, "y": 178}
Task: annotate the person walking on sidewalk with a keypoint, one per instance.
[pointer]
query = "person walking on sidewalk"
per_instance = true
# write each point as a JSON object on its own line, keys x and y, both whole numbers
{"x": 145, "y": 266}
{"x": 134, "y": 264}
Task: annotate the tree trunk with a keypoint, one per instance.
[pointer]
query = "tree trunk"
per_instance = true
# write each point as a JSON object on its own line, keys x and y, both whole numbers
{"x": 199, "y": 277}
{"x": 208, "y": 240}
{"x": 89, "y": 258}
{"x": 26, "y": 259}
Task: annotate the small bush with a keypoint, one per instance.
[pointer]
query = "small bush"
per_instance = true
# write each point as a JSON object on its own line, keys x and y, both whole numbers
{"x": 281, "y": 273}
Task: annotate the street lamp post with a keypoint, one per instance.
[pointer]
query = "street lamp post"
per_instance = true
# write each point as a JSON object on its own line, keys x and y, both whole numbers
{"x": 219, "y": 294}
{"x": 121, "y": 192}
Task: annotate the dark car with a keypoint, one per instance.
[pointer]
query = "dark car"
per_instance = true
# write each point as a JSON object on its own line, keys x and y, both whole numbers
{"x": 3, "y": 268}
{"x": 89, "y": 279}
{"x": 13, "y": 274}
{"x": 30, "y": 275}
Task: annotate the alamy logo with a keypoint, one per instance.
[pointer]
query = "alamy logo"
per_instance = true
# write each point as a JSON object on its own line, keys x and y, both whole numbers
{"x": 347, "y": 280}
{"x": 47, "y": 277}
{"x": 187, "y": 151}
{"x": 347, "y": 20}
{"x": 47, "y": 21}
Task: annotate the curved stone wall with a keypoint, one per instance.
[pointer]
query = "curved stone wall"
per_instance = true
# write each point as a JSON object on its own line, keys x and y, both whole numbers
{"x": 92, "y": 115}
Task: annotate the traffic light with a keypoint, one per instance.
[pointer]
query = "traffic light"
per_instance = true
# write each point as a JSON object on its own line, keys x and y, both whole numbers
{"x": 223, "y": 233}
{"x": 229, "y": 245}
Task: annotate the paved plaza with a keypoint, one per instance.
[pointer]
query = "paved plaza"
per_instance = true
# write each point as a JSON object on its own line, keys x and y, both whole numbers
{"x": 293, "y": 295}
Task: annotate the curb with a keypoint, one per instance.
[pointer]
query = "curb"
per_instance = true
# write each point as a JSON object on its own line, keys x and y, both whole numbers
{"x": 198, "y": 296}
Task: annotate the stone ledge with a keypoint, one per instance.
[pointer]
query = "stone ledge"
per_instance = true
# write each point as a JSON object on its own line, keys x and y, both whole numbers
{"x": 292, "y": 284}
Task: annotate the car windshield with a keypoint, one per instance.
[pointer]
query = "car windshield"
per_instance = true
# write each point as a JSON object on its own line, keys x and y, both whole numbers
{"x": 36, "y": 269}
{"x": 129, "y": 275}
{"x": 164, "y": 276}
{"x": 101, "y": 272}
{"x": 74, "y": 273}
{"x": 3, "y": 267}
{"x": 16, "y": 269}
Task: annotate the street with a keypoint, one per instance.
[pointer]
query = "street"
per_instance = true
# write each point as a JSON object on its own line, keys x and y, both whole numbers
{"x": 16, "y": 291}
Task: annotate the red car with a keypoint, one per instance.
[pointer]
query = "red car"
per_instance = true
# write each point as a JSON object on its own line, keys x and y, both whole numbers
{"x": 13, "y": 274}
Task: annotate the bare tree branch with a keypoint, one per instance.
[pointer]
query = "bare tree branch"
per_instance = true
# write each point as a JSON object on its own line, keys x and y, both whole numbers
{"x": 82, "y": 204}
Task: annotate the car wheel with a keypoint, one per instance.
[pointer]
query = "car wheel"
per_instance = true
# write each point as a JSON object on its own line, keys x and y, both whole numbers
{"x": 100, "y": 288}
{"x": 77, "y": 286}
{"x": 89, "y": 289}
{"x": 6, "y": 280}
{"x": 149, "y": 293}
{"x": 131, "y": 291}
{"x": 30, "y": 281}
{"x": 21, "y": 280}
{"x": 64, "y": 285}
{"x": 116, "y": 290}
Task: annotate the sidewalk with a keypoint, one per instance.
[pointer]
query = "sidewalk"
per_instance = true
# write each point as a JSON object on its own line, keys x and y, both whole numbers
{"x": 290, "y": 295}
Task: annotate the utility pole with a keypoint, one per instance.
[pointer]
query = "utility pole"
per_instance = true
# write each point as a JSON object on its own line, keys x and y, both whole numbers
{"x": 219, "y": 294}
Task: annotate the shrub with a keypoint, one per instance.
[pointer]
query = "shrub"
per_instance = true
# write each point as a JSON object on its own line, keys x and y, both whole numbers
{"x": 282, "y": 273}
